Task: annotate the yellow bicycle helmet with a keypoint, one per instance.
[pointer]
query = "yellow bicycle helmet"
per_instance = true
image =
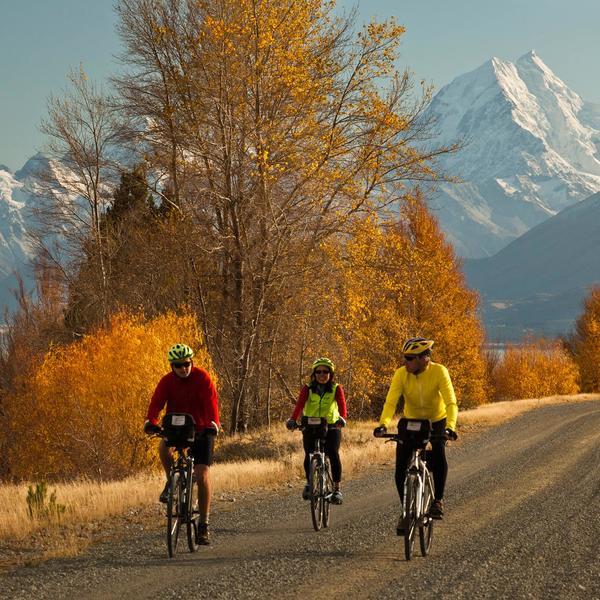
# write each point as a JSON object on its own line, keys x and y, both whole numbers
{"x": 179, "y": 352}
{"x": 416, "y": 345}
{"x": 323, "y": 362}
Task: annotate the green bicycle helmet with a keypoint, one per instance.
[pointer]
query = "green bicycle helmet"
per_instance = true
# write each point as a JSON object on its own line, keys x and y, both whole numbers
{"x": 179, "y": 352}
{"x": 416, "y": 345}
{"x": 323, "y": 362}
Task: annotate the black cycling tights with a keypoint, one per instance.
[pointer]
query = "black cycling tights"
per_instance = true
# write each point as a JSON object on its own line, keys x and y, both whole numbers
{"x": 332, "y": 450}
{"x": 436, "y": 462}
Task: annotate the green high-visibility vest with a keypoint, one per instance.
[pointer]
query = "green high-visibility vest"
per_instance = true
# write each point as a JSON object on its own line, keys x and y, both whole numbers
{"x": 322, "y": 406}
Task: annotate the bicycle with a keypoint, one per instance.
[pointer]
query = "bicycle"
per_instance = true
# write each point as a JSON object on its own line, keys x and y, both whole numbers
{"x": 178, "y": 431}
{"x": 320, "y": 481}
{"x": 418, "y": 483}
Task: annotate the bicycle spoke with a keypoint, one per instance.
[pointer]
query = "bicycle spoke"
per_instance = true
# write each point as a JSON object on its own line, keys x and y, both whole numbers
{"x": 173, "y": 513}
{"x": 315, "y": 493}
{"x": 410, "y": 514}
{"x": 426, "y": 527}
{"x": 327, "y": 492}
{"x": 192, "y": 509}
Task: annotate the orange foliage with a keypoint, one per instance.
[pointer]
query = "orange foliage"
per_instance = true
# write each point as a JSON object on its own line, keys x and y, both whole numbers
{"x": 82, "y": 411}
{"x": 398, "y": 280}
{"x": 440, "y": 304}
{"x": 585, "y": 342}
{"x": 535, "y": 369}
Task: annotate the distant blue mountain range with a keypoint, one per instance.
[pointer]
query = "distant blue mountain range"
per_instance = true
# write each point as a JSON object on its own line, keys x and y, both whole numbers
{"x": 537, "y": 283}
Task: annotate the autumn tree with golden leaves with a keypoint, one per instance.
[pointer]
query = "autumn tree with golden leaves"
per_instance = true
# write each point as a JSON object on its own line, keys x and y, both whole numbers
{"x": 272, "y": 124}
{"x": 398, "y": 280}
{"x": 584, "y": 343}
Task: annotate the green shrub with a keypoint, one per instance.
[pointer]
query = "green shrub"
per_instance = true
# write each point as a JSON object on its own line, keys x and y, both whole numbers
{"x": 38, "y": 508}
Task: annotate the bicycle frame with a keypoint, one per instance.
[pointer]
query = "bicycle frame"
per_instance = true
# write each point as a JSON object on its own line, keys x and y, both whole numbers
{"x": 184, "y": 464}
{"x": 180, "y": 509}
{"x": 418, "y": 467}
{"x": 320, "y": 479}
{"x": 418, "y": 484}
{"x": 325, "y": 472}
{"x": 319, "y": 455}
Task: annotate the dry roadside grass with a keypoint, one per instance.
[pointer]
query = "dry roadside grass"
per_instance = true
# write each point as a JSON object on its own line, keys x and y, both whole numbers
{"x": 94, "y": 511}
{"x": 496, "y": 413}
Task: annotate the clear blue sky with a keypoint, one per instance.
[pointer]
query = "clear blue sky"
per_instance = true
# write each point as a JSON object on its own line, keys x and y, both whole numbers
{"x": 41, "y": 40}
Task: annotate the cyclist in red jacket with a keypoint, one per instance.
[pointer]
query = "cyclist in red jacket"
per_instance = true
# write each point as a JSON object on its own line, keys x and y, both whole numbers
{"x": 188, "y": 389}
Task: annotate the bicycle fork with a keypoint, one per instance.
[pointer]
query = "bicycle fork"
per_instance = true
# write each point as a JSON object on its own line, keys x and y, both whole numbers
{"x": 329, "y": 494}
{"x": 322, "y": 474}
{"x": 419, "y": 476}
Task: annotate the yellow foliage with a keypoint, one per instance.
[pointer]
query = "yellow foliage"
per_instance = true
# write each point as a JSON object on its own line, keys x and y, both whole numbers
{"x": 306, "y": 98}
{"x": 398, "y": 280}
{"x": 585, "y": 342}
{"x": 82, "y": 411}
{"x": 535, "y": 369}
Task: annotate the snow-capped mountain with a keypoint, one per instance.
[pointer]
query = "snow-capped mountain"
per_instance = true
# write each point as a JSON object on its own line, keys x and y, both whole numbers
{"x": 25, "y": 190}
{"x": 531, "y": 148}
{"x": 15, "y": 248}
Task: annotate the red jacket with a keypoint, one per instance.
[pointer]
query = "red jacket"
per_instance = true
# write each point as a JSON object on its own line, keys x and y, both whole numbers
{"x": 195, "y": 394}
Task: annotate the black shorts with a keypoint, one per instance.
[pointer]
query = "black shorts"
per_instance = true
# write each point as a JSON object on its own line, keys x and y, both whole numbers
{"x": 202, "y": 448}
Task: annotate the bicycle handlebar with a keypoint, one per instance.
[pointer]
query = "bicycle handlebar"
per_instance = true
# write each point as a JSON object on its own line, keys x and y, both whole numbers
{"x": 395, "y": 437}
{"x": 329, "y": 426}
{"x": 161, "y": 433}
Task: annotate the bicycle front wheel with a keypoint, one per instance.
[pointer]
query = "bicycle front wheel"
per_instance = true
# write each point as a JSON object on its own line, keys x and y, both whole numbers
{"x": 410, "y": 514}
{"x": 315, "y": 483}
{"x": 327, "y": 492}
{"x": 426, "y": 525}
{"x": 174, "y": 512}
{"x": 193, "y": 512}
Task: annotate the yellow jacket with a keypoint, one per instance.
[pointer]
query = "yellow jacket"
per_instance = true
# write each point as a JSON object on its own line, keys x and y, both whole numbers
{"x": 428, "y": 395}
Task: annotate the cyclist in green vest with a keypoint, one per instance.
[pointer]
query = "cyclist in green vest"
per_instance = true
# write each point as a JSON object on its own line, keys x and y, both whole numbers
{"x": 322, "y": 397}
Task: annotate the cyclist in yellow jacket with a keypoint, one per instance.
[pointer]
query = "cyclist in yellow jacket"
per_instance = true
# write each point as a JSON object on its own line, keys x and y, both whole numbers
{"x": 428, "y": 394}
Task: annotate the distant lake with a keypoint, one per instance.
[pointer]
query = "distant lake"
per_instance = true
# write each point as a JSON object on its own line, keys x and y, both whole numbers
{"x": 498, "y": 348}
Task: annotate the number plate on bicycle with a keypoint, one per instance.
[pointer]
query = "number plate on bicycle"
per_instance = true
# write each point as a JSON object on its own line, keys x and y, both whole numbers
{"x": 179, "y": 429}
{"x": 313, "y": 420}
{"x": 414, "y": 430}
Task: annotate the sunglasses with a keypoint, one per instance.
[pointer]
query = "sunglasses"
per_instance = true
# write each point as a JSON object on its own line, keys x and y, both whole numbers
{"x": 182, "y": 365}
{"x": 410, "y": 358}
{"x": 322, "y": 372}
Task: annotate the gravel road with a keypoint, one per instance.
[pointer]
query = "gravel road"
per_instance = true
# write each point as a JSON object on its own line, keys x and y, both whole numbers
{"x": 523, "y": 521}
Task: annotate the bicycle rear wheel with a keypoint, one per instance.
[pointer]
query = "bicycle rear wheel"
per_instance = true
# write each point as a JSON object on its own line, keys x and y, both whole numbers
{"x": 327, "y": 492}
{"x": 174, "y": 512}
{"x": 315, "y": 482}
{"x": 410, "y": 514}
{"x": 426, "y": 525}
{"x": 193, "y": 511}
